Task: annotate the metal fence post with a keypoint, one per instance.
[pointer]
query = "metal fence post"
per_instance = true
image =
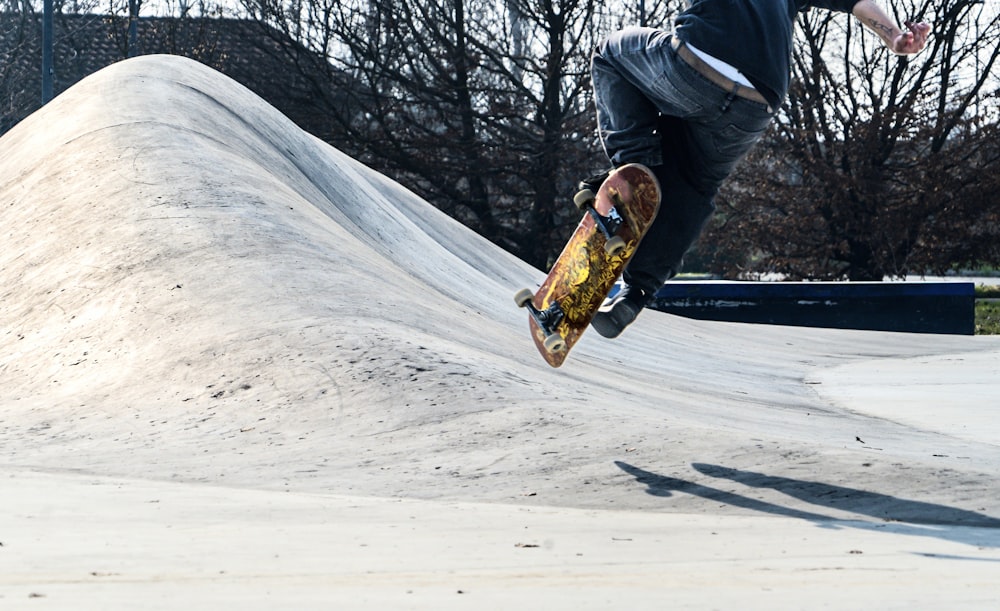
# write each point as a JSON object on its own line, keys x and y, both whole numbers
{"x": 48, "y": 70}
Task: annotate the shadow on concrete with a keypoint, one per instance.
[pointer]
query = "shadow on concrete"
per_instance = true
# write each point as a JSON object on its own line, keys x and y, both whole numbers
{"x": 896, "y": 515}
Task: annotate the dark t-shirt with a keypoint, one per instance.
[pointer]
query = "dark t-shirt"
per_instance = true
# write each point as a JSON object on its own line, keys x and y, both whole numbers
{"x": 753, "y": 36}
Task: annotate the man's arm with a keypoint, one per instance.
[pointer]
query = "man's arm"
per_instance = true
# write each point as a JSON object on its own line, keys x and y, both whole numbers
{"x": 900, "y": 42}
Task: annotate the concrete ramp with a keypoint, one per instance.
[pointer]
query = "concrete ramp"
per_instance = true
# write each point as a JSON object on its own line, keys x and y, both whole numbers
{"x": 194, "y": 292}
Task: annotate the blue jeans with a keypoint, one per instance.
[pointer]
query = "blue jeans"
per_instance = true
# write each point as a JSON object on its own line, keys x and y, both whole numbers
{"x": 655, "y": 109}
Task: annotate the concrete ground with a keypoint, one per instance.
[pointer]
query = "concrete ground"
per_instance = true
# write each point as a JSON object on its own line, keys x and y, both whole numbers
{"x": 239, "y": 369}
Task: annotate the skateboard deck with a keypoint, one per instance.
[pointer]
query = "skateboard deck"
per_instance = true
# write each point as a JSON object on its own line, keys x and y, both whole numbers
{"x": 614, "y": 223}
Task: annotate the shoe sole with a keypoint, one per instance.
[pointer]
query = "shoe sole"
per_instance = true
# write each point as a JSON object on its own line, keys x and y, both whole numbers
{"x": 611, "y": 324}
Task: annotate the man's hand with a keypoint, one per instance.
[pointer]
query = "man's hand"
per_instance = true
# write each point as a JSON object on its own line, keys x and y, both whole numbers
{"x": 910, "y": 41}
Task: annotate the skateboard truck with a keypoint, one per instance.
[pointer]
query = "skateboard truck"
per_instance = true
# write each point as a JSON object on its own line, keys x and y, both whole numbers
{"x": 608, "y": 225}
{"x": 547, "y": 319}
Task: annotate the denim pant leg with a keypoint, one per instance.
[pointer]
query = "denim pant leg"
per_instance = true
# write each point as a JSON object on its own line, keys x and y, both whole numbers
{"x": 627, "y": 115}
{"x": 684, "y": 211}
{"x": 701, "y": 132}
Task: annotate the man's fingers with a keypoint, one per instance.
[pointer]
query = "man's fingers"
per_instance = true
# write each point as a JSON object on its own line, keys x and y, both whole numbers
{"x": 919, "y": 30}
{"x": 915, "y": 39}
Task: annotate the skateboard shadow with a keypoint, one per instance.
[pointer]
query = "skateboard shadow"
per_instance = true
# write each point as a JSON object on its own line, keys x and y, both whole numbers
{"x": 894, "y": 514}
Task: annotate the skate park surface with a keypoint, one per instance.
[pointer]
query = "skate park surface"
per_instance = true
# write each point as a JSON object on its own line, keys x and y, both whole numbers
{"x": 241, "y": 370}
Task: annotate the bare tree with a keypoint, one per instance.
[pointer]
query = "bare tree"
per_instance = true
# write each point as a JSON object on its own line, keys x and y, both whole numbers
{"x": 879, "y": 165}
{"x": 482, "y": 107}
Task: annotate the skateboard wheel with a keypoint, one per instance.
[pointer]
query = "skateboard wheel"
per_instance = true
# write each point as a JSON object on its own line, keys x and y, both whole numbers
{"x": 614, "y": 246}
{"x": 522, "y": 297}
{"x": 583, "y": 199}
{"x": 554, "y": 343}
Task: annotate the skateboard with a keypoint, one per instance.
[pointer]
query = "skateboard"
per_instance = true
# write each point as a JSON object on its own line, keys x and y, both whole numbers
{"x": 614, "y": 222}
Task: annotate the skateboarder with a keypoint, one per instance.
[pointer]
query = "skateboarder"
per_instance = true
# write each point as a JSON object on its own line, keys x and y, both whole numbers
{"x": 690, "y": 105}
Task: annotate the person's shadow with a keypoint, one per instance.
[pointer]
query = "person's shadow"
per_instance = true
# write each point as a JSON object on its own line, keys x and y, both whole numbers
{"x": 894, "y": 514}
